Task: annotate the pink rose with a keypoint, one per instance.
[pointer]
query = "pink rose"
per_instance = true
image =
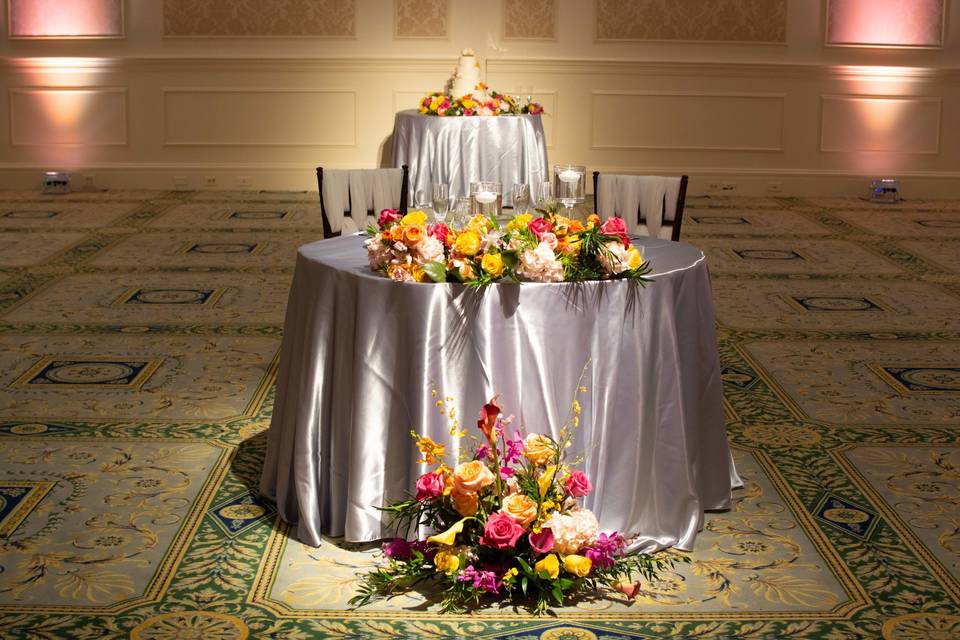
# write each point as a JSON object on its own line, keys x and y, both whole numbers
{"x": 429, "y": 486}
{"x": 550, "y": 239}
{"x": 501, "y": 532}
{"x": 388, "y": 216}
{"x": 438, "y": 231}
{"x": 616, "y": 227}
{"x": 542, "y": 542}
{"x": 578, "y": 485}
{"x": 540, "y": 226}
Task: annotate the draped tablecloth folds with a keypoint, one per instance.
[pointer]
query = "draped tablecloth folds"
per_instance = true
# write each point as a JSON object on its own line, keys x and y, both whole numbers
{"x": 458, "y": 150}
{"x": 361, "y": 353}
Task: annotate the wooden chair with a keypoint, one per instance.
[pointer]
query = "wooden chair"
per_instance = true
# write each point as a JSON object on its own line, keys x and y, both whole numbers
{"x": 352, "y": 198}
{"x": 650, "y": 205}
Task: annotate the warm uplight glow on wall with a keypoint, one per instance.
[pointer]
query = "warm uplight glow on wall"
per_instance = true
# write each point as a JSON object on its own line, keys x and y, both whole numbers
{"x": 880, "y": 80}
{"x": 885, "y": 23}
{"x": 65, "y": 18}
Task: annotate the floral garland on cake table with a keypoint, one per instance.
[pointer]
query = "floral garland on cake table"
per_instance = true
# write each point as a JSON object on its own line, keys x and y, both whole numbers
{"x": 483, "y": 104}
{"x": 509, "y": 524}
{"x": 548, "y": 247}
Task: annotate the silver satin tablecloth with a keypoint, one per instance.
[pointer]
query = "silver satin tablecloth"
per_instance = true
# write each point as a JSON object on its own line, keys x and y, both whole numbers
{"x": 360, "y": 354}
{"x": 459, "y": 150}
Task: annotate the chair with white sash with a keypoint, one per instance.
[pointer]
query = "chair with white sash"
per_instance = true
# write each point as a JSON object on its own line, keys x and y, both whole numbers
{"x": 650, "y": 205}
{"x": 350, "y": 199}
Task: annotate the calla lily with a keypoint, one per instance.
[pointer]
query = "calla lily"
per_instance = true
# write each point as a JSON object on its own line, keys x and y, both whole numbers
{"x": 448, "y": 536}
{"x": 546, "y": 479}
{"x": 488, "y": 420}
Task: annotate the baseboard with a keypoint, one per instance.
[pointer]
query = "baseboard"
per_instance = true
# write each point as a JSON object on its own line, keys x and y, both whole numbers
{"x": 703, "y": 180}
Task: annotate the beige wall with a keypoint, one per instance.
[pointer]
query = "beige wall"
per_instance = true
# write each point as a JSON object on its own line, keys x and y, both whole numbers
{"x": 741, "y": 92}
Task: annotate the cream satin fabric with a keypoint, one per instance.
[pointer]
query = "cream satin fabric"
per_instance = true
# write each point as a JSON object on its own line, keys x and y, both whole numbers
{"x": 353, "y": 199}
{"x": 461, "y": 150}
{"x": 654, "y": 197}
{"x": 361, "y": 353}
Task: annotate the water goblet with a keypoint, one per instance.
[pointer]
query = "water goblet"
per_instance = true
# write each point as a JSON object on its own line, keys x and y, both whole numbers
{"x": 521, "y": 198}
{"x": 441, "y": 201}
{"x": 545, "y": 194}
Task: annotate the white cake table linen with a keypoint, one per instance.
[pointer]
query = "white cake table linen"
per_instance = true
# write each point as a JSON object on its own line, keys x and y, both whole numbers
{"x": 361, "y": 353}
{"x": 458, "y": 150}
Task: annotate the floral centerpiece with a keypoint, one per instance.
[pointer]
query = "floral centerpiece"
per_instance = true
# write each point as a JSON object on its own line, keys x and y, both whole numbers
{"x": 485, "y": 103}
{"x": 548, "y": 247}
{"x": 509, "y": 525}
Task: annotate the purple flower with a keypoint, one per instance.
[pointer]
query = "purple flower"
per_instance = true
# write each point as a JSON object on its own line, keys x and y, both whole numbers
{"x": 482, "y": 580}
{"x": 482, "y": 451}
{"x": 605, "y": 550}
{"x": 398, "y": 549}
{"x": 506, "y": 472}
{"x": 514, "y": 449}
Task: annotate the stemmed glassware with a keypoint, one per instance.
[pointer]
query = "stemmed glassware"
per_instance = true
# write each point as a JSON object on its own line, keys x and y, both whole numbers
{"x": 521, "y": 198}
{"x": 569, "y": 183}
{"x": 441, "y": 201}
{"x": 545, "y": 195}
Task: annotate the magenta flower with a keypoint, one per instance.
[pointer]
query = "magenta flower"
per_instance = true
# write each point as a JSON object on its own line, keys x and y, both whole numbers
{"x": 540, "y": 226}
{"x": 578, "y": 485}
{"x": 541, "y": 542}
{"x": 501, "y": 532}
{"x": 482, "y": 580}
{"x": 605, "y": 550}
{"x": 398, "y": 549}
{"x": 429, "y": 486}
{"x": 388, "y": 216}
{"x": 514, "y": 449}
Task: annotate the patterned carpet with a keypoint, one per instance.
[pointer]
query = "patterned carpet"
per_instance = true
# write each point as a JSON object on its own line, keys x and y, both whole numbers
{"x": 138, "y": 342}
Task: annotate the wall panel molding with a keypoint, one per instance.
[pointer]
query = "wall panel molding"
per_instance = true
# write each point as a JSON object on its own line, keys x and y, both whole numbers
{"x": 89, "y": 116}
{"x": 887, "y": 24}
{"x": 246, "y": 117}
{"x": 898, "y": 124}
{"x": 687, "y": 120}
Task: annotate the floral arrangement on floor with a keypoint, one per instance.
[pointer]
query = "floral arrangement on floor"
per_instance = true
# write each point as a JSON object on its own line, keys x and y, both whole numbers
{"x": 548, "y": 247}
{"x": 484, "y": 104}
{"x": 510, "y": 526}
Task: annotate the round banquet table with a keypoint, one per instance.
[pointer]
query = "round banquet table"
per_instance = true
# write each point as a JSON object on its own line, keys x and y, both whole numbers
{"x": 459, "y": 150}
{"x": 361, "y": 354}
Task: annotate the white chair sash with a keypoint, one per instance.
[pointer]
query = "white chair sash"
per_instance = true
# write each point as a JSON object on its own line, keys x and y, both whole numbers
{"x": 354, "y": 198}
{"x": 645, "y": 203}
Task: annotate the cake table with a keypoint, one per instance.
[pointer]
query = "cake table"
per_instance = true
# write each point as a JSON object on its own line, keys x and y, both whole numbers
{"x": 459, "y": 150}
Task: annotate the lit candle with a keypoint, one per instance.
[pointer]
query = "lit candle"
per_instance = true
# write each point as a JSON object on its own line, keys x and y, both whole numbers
{"x": 485, "y": 197}
{"x": 569, "y": 175}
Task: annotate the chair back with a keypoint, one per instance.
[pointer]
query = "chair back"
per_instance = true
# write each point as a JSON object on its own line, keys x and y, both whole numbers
{"x": 650, "y": 205}
{"x": 350, "y": 199}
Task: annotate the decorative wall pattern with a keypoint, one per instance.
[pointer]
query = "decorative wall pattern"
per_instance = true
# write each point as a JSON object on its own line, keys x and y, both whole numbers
{"x": 885, "y": 23}
{"x": 420, "y": 18}
{"x": 66, "y": 18}
{"x": 529, "y": 19}
{"x": 331, "y": 18}
{"x": 697, "y": 20}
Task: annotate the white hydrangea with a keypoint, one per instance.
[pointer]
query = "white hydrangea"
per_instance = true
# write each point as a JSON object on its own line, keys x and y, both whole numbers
{"x": 540, "y": 265}
{"x": 574, "y": 530}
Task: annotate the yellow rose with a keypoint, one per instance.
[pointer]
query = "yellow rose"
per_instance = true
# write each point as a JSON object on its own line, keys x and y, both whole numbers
{"x": 480, "y": 223}
{"x": 634, "y": 259}
{"x": 448, "y": 536}
{"x": 415, "y": 217}
{"x": 492, "y": 263}
{"x": 465, "y": 502}
{"x": 538, "y": 449}
{"x": 548, "y": 567}
{"x": 468, "y": 243}
{"x": 471, "y": 477}
{"x": 546, "y": 479}
{"x": 520, "y": 508}
{"x": 520, "y": 222}
{"x": 446, "y": 562}
{"x": 577, "y": 565}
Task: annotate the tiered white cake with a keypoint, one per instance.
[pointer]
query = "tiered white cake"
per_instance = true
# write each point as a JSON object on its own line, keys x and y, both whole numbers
{"x": 466, "y": 76}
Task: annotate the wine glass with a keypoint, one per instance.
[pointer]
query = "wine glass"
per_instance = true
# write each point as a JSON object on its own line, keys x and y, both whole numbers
{"x": 461, "y": 212}
{"x": 545, "y": 194}
{"x": 441, "y": 201}
{"x": 521, "y": 198}
{"x": 569, "y": 182}
{"x": 422, "y": 199}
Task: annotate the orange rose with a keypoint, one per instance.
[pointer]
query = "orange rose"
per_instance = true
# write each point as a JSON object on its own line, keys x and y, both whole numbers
{"x": 522, "y": 509}
{"x": 538, "y": 449}
{"x": 414, "y": 234}
{"x": 593, "y": 220}
{"x": 471, "y": 477}
{"x": 576, "y": 227}
{"x": 395, "y": 232}
{"x": 465, "y": 502}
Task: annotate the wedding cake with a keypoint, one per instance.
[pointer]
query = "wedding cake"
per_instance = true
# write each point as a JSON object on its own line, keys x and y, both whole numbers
{"x": 466, "y": 76}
